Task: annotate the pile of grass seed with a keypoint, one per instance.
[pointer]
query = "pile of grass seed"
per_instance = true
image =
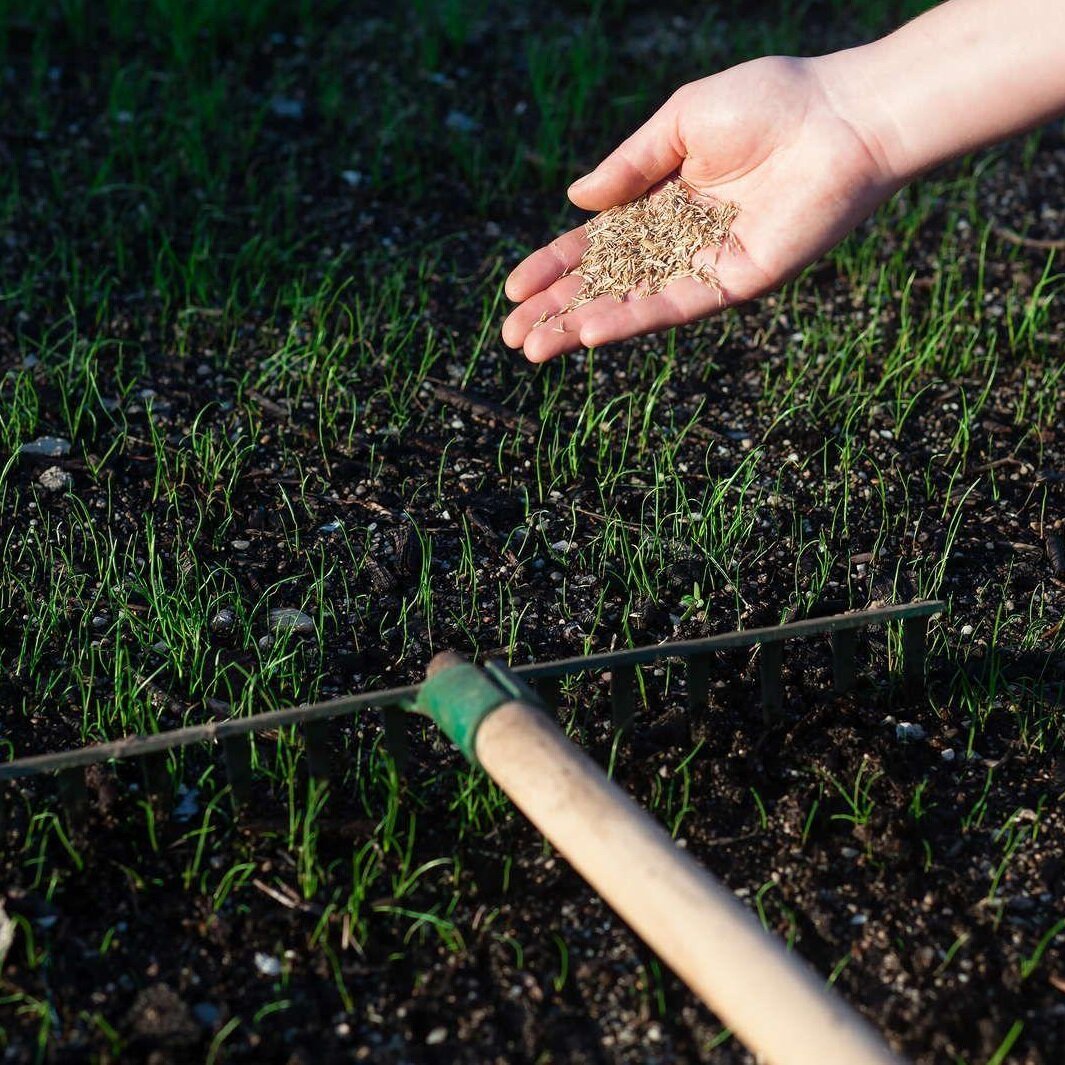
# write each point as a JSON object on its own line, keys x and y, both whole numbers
{"x": 643, "y": 246}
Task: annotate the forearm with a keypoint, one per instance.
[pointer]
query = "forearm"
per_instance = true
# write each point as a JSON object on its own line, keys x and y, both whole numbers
{"x": 960, "y": 77}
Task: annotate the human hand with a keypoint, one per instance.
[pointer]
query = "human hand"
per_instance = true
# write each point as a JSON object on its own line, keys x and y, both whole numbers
{"x": 774, "y": 135}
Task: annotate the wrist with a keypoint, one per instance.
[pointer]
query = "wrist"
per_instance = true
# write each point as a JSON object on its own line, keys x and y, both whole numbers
{"x": 859, "y": 90}
{"x": 958, "y": 78}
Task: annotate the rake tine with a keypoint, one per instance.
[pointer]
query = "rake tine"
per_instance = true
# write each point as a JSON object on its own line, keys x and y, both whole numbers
{"x": 157, "y": 779}
{"x": 623, "y": 697}
{"x": 844, "y": 659}
{"x": 74, "y": 795}
{"x": 549, "y": 691}
{"x": 914, "y": 639}
{"x": 237, "y": 752}
{"x": 698, "y": 689}
{"x": 316, "y": 741}
{"x": 770, "y": 666}
{"x": 394, "y": 719}
{"x": 622, "y": 665}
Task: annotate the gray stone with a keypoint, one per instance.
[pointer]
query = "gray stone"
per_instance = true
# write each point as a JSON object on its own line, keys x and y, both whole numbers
{"x": 286, "y": 619}
{"x": 55, "y": 479}
{"x": 46, "y": 447}
{"x": 284, "y": 107}
{"x": 224, "y": 622}
{"x": 187, "y": 806}
{"x": 267, "y": 964}
{"x": 460, "y": 122}
{"x": 908, "y": 732}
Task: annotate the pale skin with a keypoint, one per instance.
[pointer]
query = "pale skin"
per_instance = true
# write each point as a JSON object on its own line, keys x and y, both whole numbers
{"x": 808, "y": 148}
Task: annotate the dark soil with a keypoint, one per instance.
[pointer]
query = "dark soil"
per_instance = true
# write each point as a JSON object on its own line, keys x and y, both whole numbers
{"x": 916, "y": 911}
{"x": 886, "y": 899}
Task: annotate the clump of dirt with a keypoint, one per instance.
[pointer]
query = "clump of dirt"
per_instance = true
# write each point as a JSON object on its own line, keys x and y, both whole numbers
{"x": 645, "y": 245}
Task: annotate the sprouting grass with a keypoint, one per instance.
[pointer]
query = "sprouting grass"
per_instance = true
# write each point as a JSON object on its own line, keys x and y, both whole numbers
{"x": 234, "y": 279}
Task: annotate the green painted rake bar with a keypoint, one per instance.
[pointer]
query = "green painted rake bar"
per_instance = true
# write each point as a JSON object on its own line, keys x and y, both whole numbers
{"x": 395, "y": 703}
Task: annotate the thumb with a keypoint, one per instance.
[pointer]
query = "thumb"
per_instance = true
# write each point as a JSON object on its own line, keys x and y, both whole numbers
{"x": 653, "y": 152}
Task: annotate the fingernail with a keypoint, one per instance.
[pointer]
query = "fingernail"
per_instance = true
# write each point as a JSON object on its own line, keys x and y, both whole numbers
{"x": 580, "y": 183}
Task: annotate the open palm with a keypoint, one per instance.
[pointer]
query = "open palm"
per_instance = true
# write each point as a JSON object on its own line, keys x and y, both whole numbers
{"x": 768, "y": 135}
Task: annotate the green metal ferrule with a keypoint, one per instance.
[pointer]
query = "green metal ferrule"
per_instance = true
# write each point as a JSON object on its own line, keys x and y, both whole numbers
{"x": 458, "y": 699}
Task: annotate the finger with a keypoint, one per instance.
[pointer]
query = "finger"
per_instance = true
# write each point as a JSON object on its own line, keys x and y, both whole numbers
{"x": 545, "y": 266}
{"x": 739, "y": 278}
{"x": 681, "y": 302}
{"x": 563, "y": 334}
{"x": 653, "y": 152}
{"x": 523, "y": 319}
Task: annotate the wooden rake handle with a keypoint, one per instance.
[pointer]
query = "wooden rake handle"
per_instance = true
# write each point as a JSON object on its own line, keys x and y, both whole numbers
{"x": 772, "y": 1001}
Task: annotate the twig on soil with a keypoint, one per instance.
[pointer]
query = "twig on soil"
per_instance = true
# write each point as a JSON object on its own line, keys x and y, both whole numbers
{"x": 268, "y": 406}
{"x": 1013, "y": 237}
{"x": 370, "y": 505}
{"x": 486, "y": 410}
{"x": 287, "y": 898}
{"x": 479, "y": 522}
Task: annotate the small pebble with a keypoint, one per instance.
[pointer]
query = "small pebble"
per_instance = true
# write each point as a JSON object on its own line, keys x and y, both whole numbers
{"x": 286, "y": 108}
{"x": 436, "y": 1036}
{"x": 241, "y": 545}
{"x": 187, "y": 806}
{"x": 224, "y": 622}
{"x": 267, "y": 964}
{"x": 459, "y": 122}
{"x": 947, "y": 754}
{"x": 55, "y": 479}
{"x": 908, "y": 732}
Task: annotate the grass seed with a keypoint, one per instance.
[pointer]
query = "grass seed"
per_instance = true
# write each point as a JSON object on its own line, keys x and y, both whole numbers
{"x": 643, "y": 246}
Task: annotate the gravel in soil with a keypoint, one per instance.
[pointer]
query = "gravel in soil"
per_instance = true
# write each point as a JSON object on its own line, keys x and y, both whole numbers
{"x": 304, "y": 477}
